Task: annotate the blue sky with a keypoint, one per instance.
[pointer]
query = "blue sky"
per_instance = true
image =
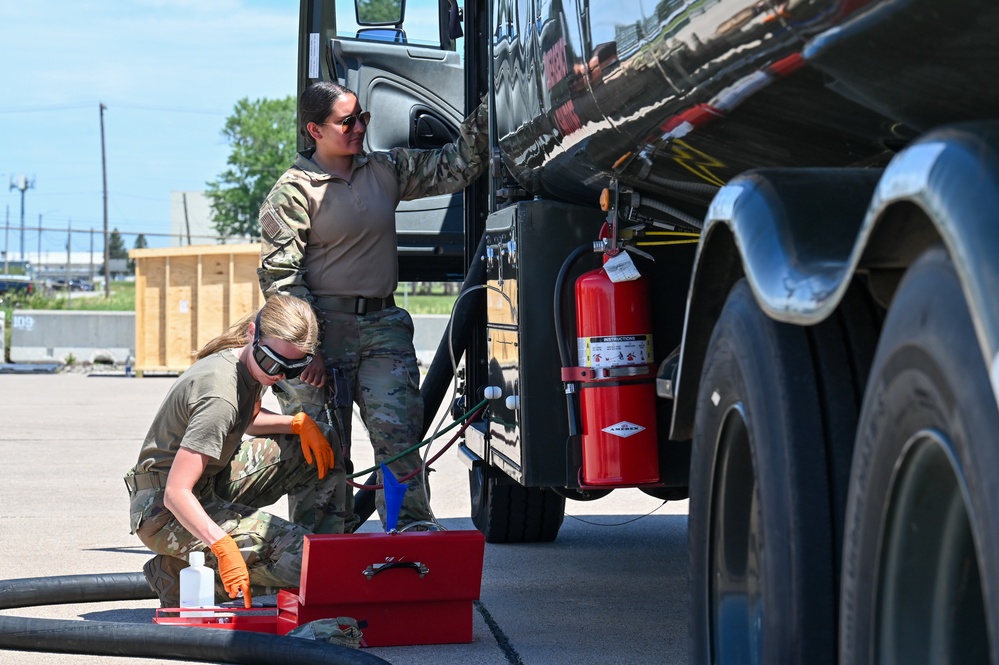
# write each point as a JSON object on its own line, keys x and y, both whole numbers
{"x": 169, "y": 73}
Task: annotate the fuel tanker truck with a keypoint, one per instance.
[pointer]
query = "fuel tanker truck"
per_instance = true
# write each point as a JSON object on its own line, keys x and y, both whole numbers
{"x": 744, "y": 252}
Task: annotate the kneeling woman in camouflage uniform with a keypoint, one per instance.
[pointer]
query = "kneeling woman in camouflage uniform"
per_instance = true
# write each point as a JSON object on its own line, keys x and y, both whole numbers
{"x": 197, "y": 484}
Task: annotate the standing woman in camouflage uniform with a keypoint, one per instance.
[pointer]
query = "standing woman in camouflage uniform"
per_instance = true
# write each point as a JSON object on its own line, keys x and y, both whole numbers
{"x": 329, "y": 238}
{"x": 197, "y": 484}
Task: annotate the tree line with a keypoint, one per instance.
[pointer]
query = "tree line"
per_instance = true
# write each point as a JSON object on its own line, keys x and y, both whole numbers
{"x": 263, "y": 144}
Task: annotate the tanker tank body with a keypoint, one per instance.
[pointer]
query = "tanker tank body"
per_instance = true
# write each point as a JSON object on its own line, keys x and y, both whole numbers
{"x": 840, "y": 161}
{"x": 673, "y": 99}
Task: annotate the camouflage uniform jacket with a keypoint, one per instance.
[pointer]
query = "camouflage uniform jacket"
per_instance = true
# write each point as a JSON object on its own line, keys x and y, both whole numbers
{"x": 324, "y": 236}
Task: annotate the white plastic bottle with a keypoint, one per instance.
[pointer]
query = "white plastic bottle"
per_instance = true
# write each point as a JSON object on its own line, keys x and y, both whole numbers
{"x": 197, "y": 585}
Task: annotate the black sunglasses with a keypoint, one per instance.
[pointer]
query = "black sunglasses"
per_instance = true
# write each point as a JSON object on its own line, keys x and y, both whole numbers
{"x": 272, "y": 362}
{"x": 347, "y": 124}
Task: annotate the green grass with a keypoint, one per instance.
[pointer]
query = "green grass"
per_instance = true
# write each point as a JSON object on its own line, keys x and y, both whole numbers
{"x": 425, "y": 304}
{"x": 417, "y": 299}
{"x": 122, "y": 299}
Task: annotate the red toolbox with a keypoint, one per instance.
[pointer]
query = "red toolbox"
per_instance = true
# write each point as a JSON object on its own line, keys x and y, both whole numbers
{"x": 405, "y": 588}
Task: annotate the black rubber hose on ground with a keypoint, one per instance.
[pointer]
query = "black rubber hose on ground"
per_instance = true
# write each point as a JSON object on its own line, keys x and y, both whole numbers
{"x": 104, "y": 638}
{"x": 73, "y": 589}
{"x": 440, "y": 373}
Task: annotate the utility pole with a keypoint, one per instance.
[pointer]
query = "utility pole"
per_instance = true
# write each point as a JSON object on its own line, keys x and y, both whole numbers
{"x": 107, "y": 249}
{"x": 6, "y": 244}
{"x": 187, "y": 222}
{"x": 69, "y": 255}
{"x": 22, "y": 184}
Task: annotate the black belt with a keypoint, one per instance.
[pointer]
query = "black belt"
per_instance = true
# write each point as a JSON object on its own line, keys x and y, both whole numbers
{"x": 356, "y": 305}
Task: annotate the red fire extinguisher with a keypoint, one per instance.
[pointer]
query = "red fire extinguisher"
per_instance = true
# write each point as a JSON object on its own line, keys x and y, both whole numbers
{"x": 616, "y": 374}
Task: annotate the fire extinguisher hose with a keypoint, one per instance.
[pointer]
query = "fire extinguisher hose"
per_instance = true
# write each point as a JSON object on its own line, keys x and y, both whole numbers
{"x": 565, "y": 355}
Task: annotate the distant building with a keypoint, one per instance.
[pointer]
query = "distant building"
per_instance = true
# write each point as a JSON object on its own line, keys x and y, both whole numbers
{"x": 191, "y": 220}
{"x": 52, "y": 266}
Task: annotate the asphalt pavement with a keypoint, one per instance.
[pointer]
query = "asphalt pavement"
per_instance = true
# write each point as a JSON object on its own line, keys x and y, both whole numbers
{"x": 611, "y": 589}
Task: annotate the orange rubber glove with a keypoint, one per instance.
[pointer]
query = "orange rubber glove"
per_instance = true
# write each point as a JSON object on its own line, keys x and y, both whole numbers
{"x": 232, "y": 569}
{"x": 313, "y": 443}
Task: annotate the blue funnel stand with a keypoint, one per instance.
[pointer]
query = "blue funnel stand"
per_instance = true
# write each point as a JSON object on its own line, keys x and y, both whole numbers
{"x": 394, "y": 491}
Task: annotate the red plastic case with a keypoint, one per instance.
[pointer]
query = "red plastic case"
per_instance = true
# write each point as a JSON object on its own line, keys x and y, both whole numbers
{"x": 407, "y": 588}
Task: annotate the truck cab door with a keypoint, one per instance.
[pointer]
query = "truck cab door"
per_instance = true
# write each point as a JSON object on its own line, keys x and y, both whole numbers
{"x": 399, "y": 59}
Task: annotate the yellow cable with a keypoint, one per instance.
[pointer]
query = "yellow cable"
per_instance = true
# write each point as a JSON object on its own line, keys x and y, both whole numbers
{"x": 684, "y": 234}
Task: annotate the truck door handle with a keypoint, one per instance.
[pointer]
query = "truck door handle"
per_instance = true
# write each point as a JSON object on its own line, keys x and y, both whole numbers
{"x": 431, "y": 132}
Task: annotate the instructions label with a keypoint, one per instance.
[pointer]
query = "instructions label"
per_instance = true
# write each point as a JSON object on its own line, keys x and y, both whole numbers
{"x": 614, "y": 351}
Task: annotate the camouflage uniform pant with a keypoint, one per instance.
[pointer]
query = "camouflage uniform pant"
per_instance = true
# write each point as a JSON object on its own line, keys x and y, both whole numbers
{"x": 376, "y": 353}
{"x": 262, "y": 471}
{"x": 294, "y": 397}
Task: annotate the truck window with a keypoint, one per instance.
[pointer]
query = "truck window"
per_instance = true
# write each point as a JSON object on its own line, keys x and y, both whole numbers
{"x": 420, "y": 24}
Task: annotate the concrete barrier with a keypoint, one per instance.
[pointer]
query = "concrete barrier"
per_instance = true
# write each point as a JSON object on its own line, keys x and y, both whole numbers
{"x": 41, "y": 335}
{"x": 88, "y": 336}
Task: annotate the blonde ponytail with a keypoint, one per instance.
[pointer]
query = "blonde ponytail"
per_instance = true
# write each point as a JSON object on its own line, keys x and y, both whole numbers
{"x": 282, "y": 317}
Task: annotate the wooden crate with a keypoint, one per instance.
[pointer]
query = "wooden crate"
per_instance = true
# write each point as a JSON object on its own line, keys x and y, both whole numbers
{"x": 185, "y": 296}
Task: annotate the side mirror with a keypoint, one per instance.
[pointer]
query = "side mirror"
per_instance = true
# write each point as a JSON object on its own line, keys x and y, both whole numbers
{"x": 380, "y": 12}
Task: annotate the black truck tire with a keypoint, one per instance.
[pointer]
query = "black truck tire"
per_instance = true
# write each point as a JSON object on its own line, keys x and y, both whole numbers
{"x": 506, "y": 512}
{"x": 920, "y": 577}
{"x": 768, "y": 438}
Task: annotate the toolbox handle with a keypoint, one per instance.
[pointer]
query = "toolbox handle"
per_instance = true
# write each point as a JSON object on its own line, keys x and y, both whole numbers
{"x": 376, "y": 568}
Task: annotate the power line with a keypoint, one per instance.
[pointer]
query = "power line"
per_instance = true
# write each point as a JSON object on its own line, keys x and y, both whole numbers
{"x": 169, "y": 110}
{"x": 179, "y": 236}
{"x": 44, "y": 109}
{"x": 132, "y": 107}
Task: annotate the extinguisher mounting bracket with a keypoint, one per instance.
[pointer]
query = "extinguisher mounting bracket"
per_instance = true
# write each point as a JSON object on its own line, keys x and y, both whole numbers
{"x": 574, "y": 374}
